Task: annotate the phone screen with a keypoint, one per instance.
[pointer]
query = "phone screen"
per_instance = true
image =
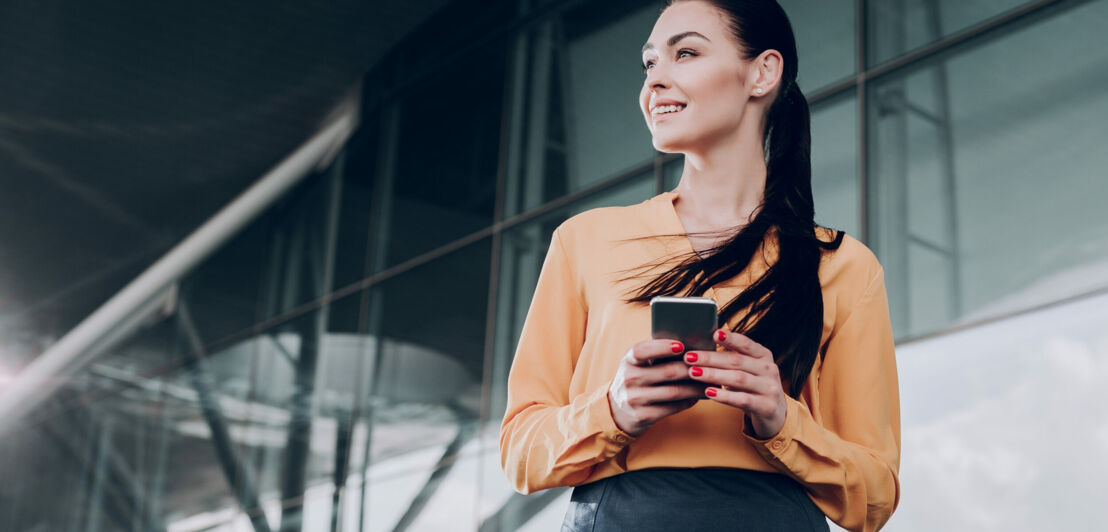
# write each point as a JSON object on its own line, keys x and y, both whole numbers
{"x": 692, "y": 320}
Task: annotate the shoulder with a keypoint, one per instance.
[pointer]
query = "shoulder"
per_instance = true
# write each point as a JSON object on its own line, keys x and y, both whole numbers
{"x": 850, "y": 271}
{"x": 603, "y": 225}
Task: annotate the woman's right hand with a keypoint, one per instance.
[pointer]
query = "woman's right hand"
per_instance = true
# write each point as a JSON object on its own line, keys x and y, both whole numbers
{"x": 644, "y": 392}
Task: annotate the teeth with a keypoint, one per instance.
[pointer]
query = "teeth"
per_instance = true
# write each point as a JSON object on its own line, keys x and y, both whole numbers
{"x": 668, "y": 109}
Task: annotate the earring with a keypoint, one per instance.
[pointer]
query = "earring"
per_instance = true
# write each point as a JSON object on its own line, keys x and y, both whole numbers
{"x": 758, "y": 90}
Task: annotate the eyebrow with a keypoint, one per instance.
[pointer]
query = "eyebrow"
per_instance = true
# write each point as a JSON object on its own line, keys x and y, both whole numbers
{"x": 673, "y": 40}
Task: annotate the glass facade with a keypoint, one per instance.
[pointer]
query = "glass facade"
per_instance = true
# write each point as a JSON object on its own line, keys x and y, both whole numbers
{"x": 342, "y": 363}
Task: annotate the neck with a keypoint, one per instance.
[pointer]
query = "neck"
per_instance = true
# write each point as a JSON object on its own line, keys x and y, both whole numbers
{"x": 724, "y": 184}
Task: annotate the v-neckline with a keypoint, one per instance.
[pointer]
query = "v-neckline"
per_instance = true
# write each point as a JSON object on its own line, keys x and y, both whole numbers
{"x": 676, "y": 226}
{"x": 680, "y": 225}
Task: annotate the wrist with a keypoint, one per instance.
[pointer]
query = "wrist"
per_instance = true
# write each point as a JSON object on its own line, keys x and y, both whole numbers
{"x": 765, "y": 429}
{"x": 622, "y": 424}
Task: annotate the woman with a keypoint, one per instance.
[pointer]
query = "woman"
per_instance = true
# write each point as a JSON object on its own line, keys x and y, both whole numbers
{"x": 801, "y": 417}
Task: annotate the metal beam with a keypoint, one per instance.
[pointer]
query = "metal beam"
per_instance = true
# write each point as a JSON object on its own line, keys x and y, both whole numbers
{"x": 74, "y": 351}
{"x": 238, "y": 477}
{"x": 466, "y": 431}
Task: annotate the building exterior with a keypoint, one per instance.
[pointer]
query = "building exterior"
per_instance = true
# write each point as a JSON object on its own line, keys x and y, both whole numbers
{"x": 341, "y": 363}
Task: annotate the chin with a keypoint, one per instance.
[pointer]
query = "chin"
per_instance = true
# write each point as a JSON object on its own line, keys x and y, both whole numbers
{"x": 669, "y": 145}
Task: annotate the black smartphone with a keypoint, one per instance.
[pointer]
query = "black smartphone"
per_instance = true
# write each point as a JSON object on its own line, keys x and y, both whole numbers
{"x": 691, "y": 320}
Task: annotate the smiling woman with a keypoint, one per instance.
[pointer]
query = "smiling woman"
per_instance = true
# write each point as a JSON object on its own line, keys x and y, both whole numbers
{"x": 802, "y": 418}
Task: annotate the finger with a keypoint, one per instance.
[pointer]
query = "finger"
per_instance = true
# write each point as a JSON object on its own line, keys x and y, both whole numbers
{"x": 664, "y": 372}
{"x": 741, "y": 343}
{"x": 730, "y": 360}
{"x": 739, "y": 399}
{"x": 733, "y": 379}
{"x": 644, "y": 353}
{"x": 665, "y": 393}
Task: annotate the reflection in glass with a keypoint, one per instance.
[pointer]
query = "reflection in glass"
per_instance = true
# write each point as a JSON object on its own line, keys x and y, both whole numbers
{"x": 575, "y": 119}
{"x": 302, "y": 240}
{"x": 969, "y": 151}
{"x": 428, "y": 325}
{"x": 824, "y": 33}
{"x": 896, "y": 28}
{"x": 981, "y": 442}
{"x": 835, "y": 164}
{"x": 355, "y": 207}
{"x": 442, "y": 140}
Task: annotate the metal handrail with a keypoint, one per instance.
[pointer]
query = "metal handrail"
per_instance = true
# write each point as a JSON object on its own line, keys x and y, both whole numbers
{"x": 91, "y": 337}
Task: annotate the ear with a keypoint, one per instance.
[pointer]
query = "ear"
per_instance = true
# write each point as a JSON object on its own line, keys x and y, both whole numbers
{"x": 765, "y": 73}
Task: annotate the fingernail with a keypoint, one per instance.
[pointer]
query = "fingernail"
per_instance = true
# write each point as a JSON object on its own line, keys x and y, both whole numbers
{"x": 711, "y": 392}
{"x": 721, "y": 335}
{"x": 696, "y": 372}
{"x": 691, "y": 357}
{"x": 677, "y": 347}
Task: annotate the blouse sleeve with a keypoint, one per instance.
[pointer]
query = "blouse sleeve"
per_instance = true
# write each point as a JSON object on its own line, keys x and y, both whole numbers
{"x": 548, "y": 438}
{"x": 848, "y": 462}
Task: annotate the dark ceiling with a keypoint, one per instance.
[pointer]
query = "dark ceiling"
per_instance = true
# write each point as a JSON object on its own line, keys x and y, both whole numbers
{"x": 124, "y": 127}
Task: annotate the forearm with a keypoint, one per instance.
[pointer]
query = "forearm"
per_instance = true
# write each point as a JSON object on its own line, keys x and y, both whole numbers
{"x": 544, "y": 446}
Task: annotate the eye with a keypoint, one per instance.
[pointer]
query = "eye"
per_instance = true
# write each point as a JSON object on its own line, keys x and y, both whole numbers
{"x": 648, "y": 64}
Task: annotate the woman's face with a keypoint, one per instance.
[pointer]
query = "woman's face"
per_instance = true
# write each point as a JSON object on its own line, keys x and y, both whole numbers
{"x": 703, "y": 70}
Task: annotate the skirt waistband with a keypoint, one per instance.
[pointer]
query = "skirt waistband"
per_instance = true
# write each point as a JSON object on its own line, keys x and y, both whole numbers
{"x": 665, "y": 499}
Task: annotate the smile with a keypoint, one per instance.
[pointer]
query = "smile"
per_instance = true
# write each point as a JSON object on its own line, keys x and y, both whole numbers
{"x": 666, "y": 110}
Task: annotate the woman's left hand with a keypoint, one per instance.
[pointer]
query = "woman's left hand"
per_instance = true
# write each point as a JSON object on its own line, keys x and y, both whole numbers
{"x": 750, "y": 375}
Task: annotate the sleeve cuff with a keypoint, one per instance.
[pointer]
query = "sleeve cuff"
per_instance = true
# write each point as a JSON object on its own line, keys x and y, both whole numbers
{"x": 601, "y": 414}
{"x": 774, "y": 448}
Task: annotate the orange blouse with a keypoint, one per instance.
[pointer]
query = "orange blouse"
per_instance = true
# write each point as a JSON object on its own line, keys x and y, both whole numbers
{"x": 841, "y": 439}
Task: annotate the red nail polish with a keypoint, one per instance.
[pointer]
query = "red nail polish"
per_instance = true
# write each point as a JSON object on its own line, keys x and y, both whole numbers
{"x": 691, "y": 357}
{"x": 696, "y": 372}
{"x": 721, "y": 335}
{"x": 711, "y": 392}
{"x": 676, "y": 347}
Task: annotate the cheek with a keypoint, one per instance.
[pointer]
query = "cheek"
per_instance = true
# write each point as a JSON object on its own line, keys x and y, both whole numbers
{"x": 721, "y": 92}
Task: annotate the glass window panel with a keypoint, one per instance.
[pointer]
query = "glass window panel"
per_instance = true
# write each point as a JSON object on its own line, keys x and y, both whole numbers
{"x": 825, "y": 39}
{"x": 293, "y": 421}
{"x": 442, "y": 176}
{"x": 297, "y": 260}
{"x": 575, "y": 119}
{"x": 501, "y": 508}
{"x": 835, "y": 164}
{"x": 94, "y": 453}
{"x": 975, "y": 159}
{"x": 981, "y": 442}
{"x": 428, "y": 325}
{"x": 223, "y": 292}
{"x": 355, "y": 204}
{"x": 442, "y": 34}
{"x": 897, "y": 27}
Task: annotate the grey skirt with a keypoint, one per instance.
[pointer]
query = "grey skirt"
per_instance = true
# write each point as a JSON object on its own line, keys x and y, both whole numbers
{"x": 717, "y": 499}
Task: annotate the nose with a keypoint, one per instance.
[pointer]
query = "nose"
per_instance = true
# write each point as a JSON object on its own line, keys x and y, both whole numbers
{"x": 656, "y": 80}
{"x": 657, "y": 77}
